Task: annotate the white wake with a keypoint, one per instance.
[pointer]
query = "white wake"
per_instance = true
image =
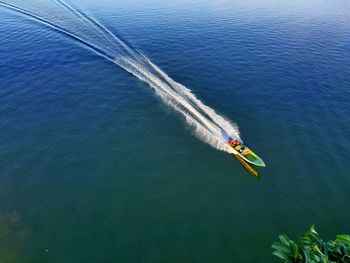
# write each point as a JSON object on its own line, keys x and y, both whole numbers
{"x": 207, "y": 124}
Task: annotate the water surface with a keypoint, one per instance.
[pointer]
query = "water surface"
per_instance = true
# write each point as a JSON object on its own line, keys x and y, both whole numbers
{"x": 94, "y": 167}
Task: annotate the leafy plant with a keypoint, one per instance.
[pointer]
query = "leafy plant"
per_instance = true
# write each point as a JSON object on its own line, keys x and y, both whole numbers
{"x": 310, "y": 248}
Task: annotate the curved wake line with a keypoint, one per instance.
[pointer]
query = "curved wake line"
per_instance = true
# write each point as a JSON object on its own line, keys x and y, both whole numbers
{"x": 57, "y": 28}
{"x": 62, "y": 17}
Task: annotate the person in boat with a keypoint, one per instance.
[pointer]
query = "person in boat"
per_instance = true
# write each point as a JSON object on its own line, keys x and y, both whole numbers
{"x": 245, "y": 151}
{"x": 234, "y": 142}
{"x": 239, "y": 146}
{"x": 230, "y": 141}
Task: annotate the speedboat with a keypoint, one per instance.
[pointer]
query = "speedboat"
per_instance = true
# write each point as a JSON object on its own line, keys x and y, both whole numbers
{"x": 238, "y": 148}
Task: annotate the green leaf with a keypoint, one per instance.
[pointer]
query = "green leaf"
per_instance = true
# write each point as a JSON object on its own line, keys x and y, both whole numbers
{"x": 284, "y": 239}
{"x": 279, "y": 246}
{"x": 294, "y": 248}
{"x": 280, "y": 254}
{"x": 307, "y": 255}
{"x": 312, "y": 229}
{"x": 343, "y": 238}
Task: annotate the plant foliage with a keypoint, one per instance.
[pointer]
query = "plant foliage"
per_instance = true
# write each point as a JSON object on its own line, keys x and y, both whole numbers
{"x": 310, "y": 248}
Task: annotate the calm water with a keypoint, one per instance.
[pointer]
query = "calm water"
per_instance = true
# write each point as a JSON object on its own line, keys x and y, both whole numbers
{"x": 94, "y": 167}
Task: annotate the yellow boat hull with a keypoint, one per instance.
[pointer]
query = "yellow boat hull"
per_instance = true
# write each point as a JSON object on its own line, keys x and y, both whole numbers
{"x": 252, "y": 170}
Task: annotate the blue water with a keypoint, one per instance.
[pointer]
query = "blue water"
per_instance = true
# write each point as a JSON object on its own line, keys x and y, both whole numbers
{"x": 94, "y": 167}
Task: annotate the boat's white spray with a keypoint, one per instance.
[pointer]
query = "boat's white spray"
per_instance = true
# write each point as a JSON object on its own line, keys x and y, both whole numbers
{"x": 208, "y": 125}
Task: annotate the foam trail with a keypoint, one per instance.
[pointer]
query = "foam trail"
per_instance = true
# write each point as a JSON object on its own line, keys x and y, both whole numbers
{"x": 59, "y": 15}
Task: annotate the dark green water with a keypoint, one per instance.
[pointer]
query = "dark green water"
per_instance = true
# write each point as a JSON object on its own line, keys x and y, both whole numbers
{"x": 94, "y": 167}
